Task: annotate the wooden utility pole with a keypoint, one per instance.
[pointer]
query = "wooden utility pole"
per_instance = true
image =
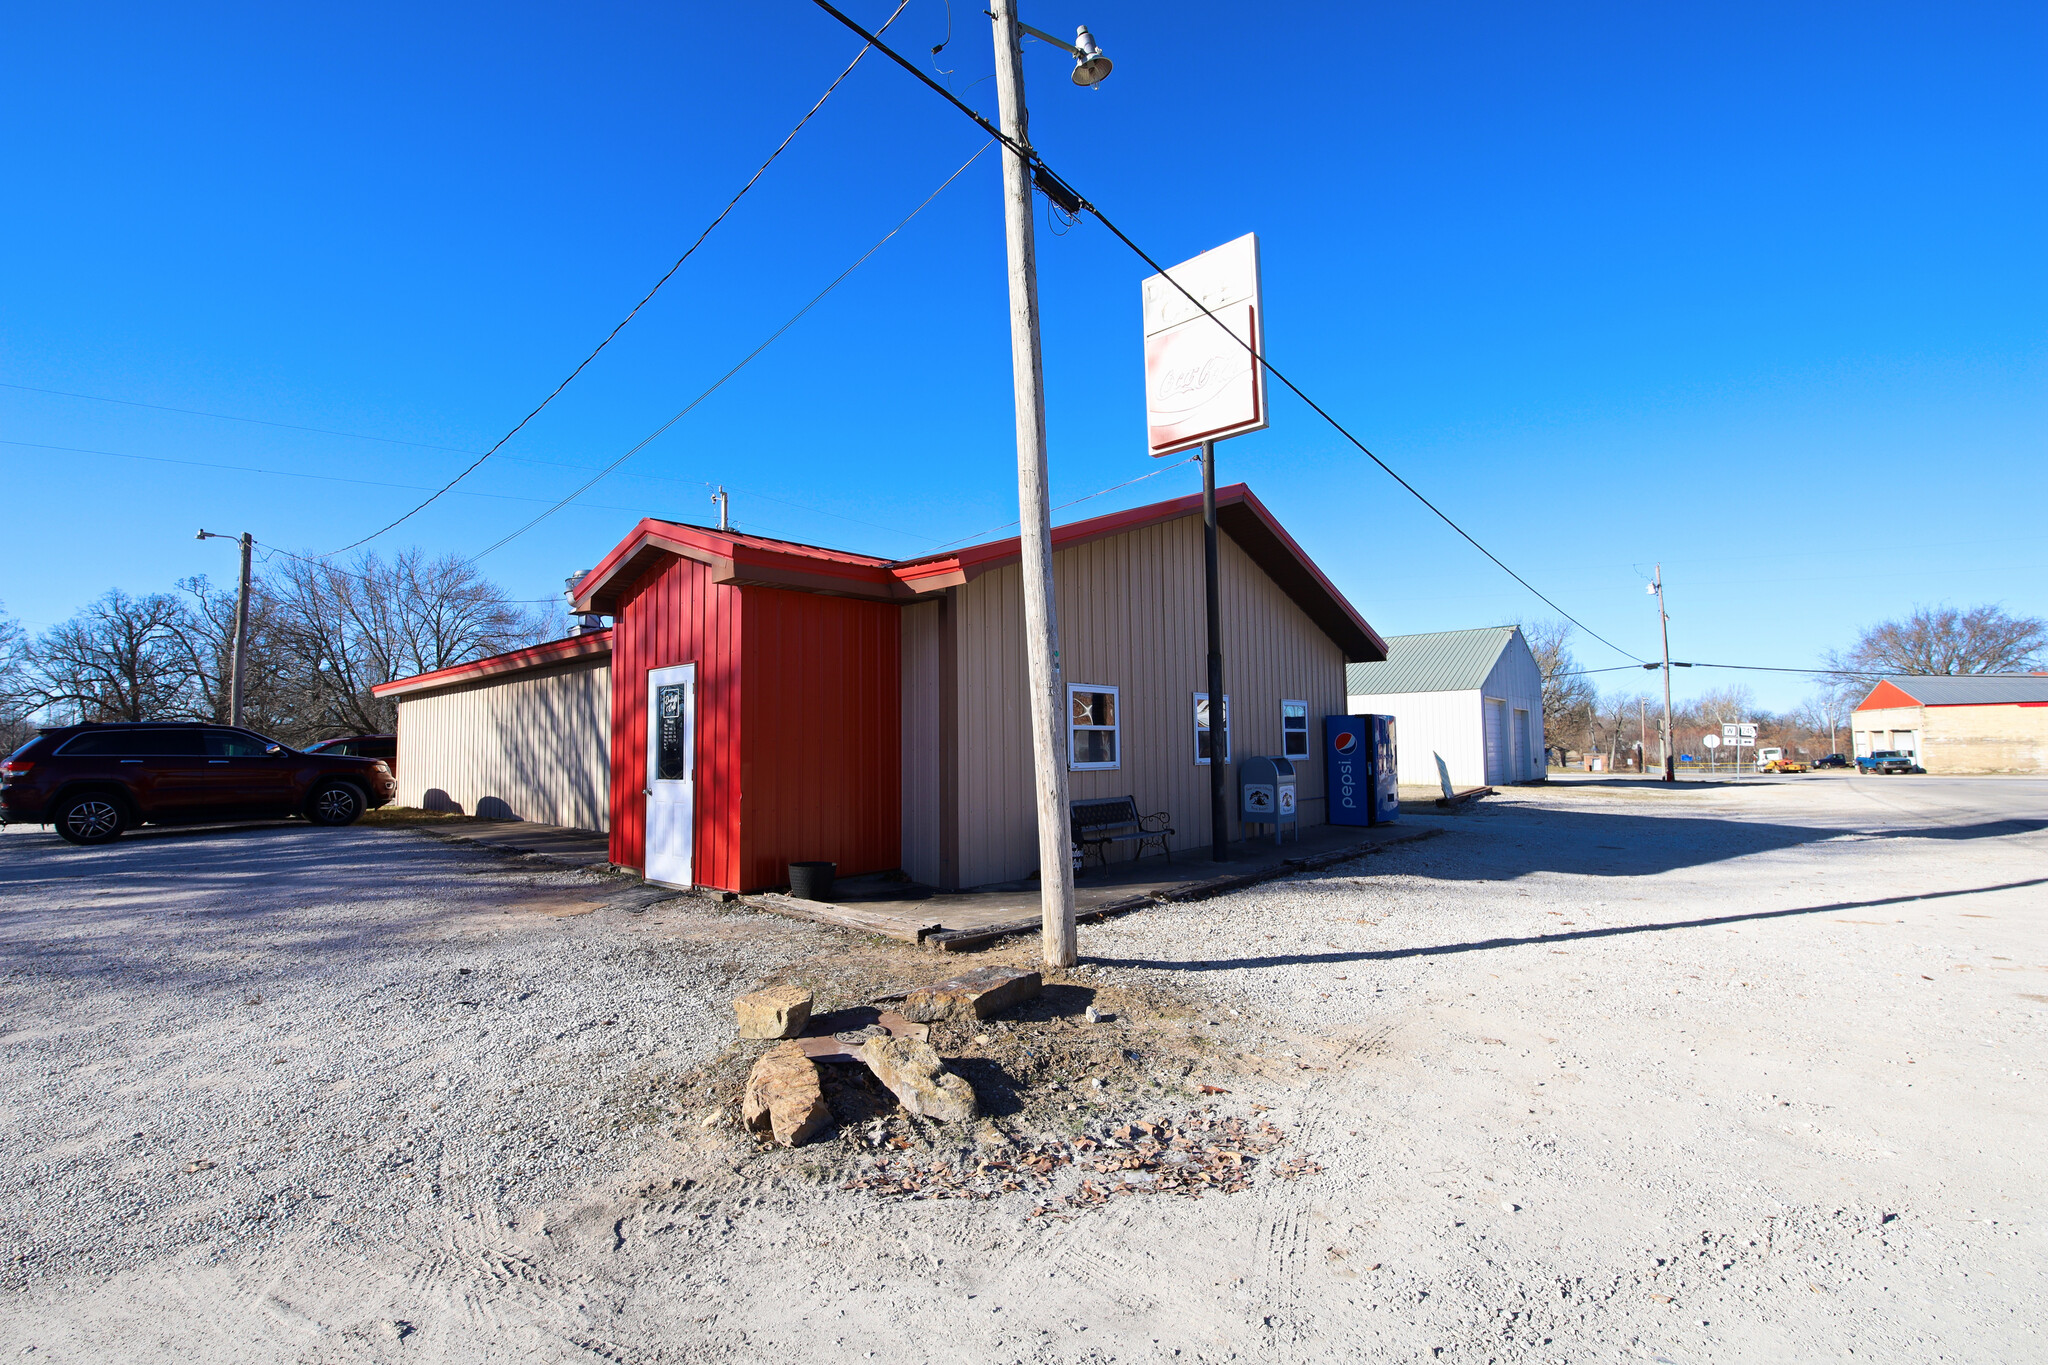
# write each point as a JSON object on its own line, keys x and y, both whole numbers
{"x": 1041, "y": 609}
{"x": 1664, "y": 625}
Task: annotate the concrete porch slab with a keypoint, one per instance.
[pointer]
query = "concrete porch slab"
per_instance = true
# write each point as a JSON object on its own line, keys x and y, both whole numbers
{"x": 952, "y": 920}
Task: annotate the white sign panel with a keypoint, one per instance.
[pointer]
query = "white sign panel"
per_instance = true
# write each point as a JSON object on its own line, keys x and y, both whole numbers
{"x": 1711, "y": 741}
{"x": 1745, "y": 731}
{"x": 1201, "y": 384}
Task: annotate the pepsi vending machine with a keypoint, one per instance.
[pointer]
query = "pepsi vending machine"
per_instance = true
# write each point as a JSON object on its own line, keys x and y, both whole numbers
{"x": 1360, "y": 770}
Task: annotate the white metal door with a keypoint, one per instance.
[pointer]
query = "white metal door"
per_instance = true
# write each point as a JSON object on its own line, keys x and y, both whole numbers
{"x": 1522, "y": 756}
{"x": 1496, "y": 741}
{"x": 671, "y": 773}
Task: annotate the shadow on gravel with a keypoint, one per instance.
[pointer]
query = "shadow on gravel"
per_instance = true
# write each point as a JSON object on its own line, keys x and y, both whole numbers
{"x": 1519, "y": 840}
{"x": 179, "y": 910}
{"x": 1225, "y": 964}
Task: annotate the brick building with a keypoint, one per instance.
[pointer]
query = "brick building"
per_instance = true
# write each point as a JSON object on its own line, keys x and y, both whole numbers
{"x": 1990, "y": 723}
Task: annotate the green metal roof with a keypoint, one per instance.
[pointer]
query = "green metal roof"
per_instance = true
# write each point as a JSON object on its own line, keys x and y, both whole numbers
{"x": 1443, "y": 661}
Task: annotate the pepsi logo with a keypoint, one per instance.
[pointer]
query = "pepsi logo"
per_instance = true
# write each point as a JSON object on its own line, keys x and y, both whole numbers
{"x": 1346, "y": 742}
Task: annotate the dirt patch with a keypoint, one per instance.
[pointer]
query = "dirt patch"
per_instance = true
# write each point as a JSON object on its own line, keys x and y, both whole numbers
{"x": 1142, "y": 1099}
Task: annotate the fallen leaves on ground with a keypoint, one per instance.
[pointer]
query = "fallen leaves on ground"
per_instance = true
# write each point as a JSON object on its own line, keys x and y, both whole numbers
{"x": 1199, "y": 1154}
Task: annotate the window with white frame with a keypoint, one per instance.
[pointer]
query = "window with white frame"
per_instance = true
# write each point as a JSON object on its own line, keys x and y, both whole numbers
{"x": 1294, "y": 729}
{"x": 1202, "y": 738}
{"x": 1093, "y": 740}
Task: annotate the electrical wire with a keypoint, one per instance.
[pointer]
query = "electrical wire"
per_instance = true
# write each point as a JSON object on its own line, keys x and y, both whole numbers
{"x": 1049, "y": 181}
{"x": 228, "y": 417}
{"x": 281, "y": 473}
{"x": 1746, "y": 668}
{"x": 327, "y": 566}
{"x": 1153, "y": 474}
{"x": 731, "y": 204}
{"x": 719, "y": 383}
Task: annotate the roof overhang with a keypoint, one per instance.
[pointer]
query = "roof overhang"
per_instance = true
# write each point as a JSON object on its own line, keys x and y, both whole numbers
{"x": 737, "y": 559}
{"x": 549, "y": 655}
{"x": 1238, "y": 513}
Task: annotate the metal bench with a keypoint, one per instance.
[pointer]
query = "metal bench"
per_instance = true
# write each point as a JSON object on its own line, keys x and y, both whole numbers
{"x": 1099, "y": 822}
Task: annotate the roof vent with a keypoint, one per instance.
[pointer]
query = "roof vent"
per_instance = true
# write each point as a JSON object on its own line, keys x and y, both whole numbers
{"x": 580, "y": 625}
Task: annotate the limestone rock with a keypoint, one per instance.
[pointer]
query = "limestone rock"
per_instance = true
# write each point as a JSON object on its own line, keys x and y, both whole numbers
{"x": 784, "y": 1096}
{"x": 779, "y": 1012}
{"x": 978, "y": 994}
{"x": 917, "y": 1078}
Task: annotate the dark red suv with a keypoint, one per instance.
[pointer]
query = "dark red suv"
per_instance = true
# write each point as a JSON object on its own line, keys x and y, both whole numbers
{"x": 94, "y": 781}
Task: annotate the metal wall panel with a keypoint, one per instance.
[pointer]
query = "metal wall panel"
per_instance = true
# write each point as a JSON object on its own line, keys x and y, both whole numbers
{"x": 1432, "y": 726}
{"x": 532, "y": 746}
{"x": 924, "y": 672}
{"x": 1132, "y": 617}
{"x": 821, "y": 775}
{"x": 676, "y": 614}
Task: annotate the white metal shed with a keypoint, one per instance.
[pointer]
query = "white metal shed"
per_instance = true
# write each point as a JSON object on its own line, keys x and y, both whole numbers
{"x": 1467, "y": 704}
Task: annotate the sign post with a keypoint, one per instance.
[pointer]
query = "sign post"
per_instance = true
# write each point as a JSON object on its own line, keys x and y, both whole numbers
{"x": 1202, "y": 384}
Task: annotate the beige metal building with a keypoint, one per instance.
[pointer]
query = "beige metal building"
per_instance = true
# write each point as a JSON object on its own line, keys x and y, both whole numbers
{"x": 1133, "y": 649}
{"x": 871, "y": 712}
{"x": 520, "y": 736}
{"x": 1989, "y": 723}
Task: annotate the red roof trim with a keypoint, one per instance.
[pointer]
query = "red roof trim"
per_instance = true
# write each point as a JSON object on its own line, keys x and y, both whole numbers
{"x": 782, "y": 563}
{"x": 732, "y": 554}
{"x": 518, "y": 661}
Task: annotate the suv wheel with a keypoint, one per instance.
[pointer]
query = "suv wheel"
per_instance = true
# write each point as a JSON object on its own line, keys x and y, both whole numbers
{"x": 93, "y": 818}
{"x": 335, "y": 803}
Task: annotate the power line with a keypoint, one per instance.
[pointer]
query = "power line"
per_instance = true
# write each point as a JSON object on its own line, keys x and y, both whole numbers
{"x": 719, "y": 383}
{"x": 280, "y": 473}
{"x": 1060, "y": 192}
{"x": 1747, "y": 668}
{"x": 1164, "y": 469}
{"x": 731, "y": 204}
{"x": 230, "y": 417}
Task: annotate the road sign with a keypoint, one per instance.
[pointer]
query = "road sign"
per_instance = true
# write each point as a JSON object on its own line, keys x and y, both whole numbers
{"x": 1711, "y": 741}
{"x": 1201, "y": 384}
{"x": 1746, "y": 731}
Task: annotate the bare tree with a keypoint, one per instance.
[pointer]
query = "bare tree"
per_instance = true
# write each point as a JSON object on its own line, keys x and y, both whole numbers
{"x": 121, "y": 658}
{"x": 211, "y": 640}
{"x": 343, "y": 631}
{"x": 1943, "y": 640}
{"x": 1830, "y": 707}
{"x": 16, "y": 689}
{"x": 1568, "y": 695}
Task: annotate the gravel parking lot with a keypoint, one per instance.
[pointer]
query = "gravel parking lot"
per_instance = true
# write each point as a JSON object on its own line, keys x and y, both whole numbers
{"x": 1601, "y": 1073}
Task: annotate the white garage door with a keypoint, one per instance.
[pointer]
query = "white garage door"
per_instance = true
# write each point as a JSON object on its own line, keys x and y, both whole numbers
{"x": 1496, "y": 741}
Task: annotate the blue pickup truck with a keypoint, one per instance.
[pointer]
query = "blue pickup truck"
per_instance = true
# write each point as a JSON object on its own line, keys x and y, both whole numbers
{"x": 1887, "y": 761}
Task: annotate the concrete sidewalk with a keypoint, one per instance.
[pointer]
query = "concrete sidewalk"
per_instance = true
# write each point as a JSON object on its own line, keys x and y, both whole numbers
{"x": 952, "y": 920}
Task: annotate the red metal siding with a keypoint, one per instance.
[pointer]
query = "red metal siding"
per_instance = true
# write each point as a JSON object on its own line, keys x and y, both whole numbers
{"x": 822, "y": 774}
{"x": 675, "y": 614}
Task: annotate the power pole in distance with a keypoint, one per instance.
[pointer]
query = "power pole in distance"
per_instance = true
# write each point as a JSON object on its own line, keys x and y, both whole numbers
{"x": 1034, "y": 532}
{"x": 1664, "y": 625}
{"x": 240, "y": 666}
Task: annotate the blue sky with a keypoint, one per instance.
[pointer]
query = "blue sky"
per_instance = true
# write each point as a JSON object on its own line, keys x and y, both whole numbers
{"x": 1758, "y": 292}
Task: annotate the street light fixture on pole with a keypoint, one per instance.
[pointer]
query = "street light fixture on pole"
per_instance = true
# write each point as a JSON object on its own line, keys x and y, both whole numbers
{"x": 241, "y": 650}
{"x": 1664, "y": 625}
{"x": 1041, "y": 609}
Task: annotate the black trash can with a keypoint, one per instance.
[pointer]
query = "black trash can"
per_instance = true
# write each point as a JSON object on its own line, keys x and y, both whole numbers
{"x": 812, "y": 881}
